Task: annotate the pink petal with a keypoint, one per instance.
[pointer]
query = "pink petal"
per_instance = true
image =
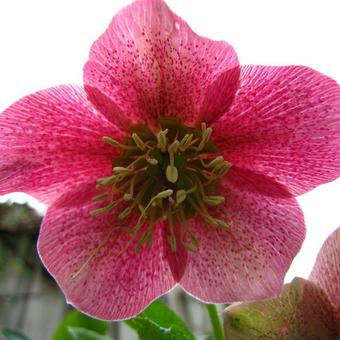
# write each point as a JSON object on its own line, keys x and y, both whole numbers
{"x": 302, "y": 311}
{"x": 83, "y": 254}
{"x": 326, "y": 271}
{"x": 249, "y": 259}
{"x": 51, "y": 140}
{"x": 284, "y": 123}
{"x": 149, "y": 63}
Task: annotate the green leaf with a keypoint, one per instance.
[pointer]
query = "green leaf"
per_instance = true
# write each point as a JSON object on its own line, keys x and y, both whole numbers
{"x": 78, "y": 333}
{"x": 158, "y": 321}
{"x": 77, "y": 319}
{"x": 148, "y": 329}
{"x": 10, "y": 334}
{"x": 302, "y": 311}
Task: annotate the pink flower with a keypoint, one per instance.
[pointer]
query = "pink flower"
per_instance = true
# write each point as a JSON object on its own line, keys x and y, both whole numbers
{"x": 173, "y": 165}
{"x": 306, "y": 309}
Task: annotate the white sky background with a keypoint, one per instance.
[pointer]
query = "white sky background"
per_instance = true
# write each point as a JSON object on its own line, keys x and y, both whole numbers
{"x": 45, "y": 43}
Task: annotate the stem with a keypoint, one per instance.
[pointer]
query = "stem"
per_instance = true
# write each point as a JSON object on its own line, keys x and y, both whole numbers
{"x": 215, "y": 321}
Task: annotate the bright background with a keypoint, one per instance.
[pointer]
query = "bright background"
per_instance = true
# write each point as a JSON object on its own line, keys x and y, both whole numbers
{"x": 45, "y": 43}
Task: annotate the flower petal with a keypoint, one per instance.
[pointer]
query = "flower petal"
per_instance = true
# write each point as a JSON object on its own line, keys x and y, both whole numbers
{"x": 50, "y": 140}
{"x": 285, "y": 123}
{"x": 302, "y": 311}
{"x": 149, "y": 63}
{"x": 84, "y": 254}
{"x": 249, "y": 259}
{"x": 326, "y": 271}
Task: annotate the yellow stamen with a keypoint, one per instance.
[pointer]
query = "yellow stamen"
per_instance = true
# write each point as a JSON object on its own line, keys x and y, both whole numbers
{"x": 138, "y": 141}
{"x": 103, "y": 210}
{"x": 117, "y": 144}
{"x": 162, "y": 140}
{"x": 170, "y": 174}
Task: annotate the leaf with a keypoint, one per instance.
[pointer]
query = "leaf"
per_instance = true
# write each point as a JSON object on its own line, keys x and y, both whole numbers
{"x": 158, "y": 321}
{"x": 10, "y": 334}
{"x": 302, "y": 311}
{"x": 148, "y": 329}
{"x": 77, "y": 319}
{"x": 78, "y": 333}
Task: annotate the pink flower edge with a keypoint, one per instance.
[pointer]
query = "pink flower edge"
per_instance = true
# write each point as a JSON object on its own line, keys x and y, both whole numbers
{"x": 284, "y": 123}
{"x": 47, "y": 140}
{"x": 149, "y": 63}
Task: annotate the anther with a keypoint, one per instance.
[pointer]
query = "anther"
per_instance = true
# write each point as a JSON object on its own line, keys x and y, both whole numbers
{"x": 222, "y": 224}
{"x": 116, "y": 144}
{"x": 171, "y": 174}
{"x": 99, "y": 197}
{"x": 224, "y": 169}
{"x": 103, "y": 210}
{"x": 205, "y": 138}
{"x": 164, "y": 194}
{"x": 206, "y": 135}
{"x": 111, "y": 141}
{"x": 152, "y": 161}
{"x": 138, "y": 141}
{"x": 216, "y": 222}
{"x": 119, "y": 170}
{"x": 125, "y": 213}
{"x": 183, "y": 140}
{"x": 216, "y": 161}
{"x": 213, "y": 200}
{"x": 106, "y": 180}
{"x": 187, "y": 142}
{"x": 181, "y": 195}
{"x": 211, "y": 220}
{"x": 173, "y": 147}
{"x": 161, "y": 137}
{"x": 127, "y": 197}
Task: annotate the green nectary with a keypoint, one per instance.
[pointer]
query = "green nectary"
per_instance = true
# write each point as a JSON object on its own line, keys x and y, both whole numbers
{"x": 171, "y": 174}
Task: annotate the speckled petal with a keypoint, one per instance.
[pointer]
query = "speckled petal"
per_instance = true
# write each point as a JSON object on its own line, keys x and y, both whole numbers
{"x": 326, "y": 271}
{"x": 51, "y": 140}
{"x": 149, "y": 63}
{"x": 249, "y": 259}
{"x": 302, "y": 311}
{"x": 284, "y": 123}
{"x": 84, "y": 255}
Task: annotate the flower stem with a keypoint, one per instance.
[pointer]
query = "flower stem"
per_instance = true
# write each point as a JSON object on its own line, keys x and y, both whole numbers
{"x": 215, "y": 321}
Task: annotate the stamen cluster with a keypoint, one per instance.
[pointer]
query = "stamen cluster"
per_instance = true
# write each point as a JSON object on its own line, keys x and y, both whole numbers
{"x": 171, "y": 175}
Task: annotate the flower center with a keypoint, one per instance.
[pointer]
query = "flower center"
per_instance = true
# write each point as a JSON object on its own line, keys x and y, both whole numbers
{"x": 168, "y": 175}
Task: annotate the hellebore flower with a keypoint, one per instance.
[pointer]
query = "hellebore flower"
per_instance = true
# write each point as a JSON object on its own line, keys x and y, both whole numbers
{"x": 172, "y": 165}
{"x": 306, "y": 309}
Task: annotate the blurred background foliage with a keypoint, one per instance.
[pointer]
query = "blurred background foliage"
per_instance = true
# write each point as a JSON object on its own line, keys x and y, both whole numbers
{"x": 19, "y": 227}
